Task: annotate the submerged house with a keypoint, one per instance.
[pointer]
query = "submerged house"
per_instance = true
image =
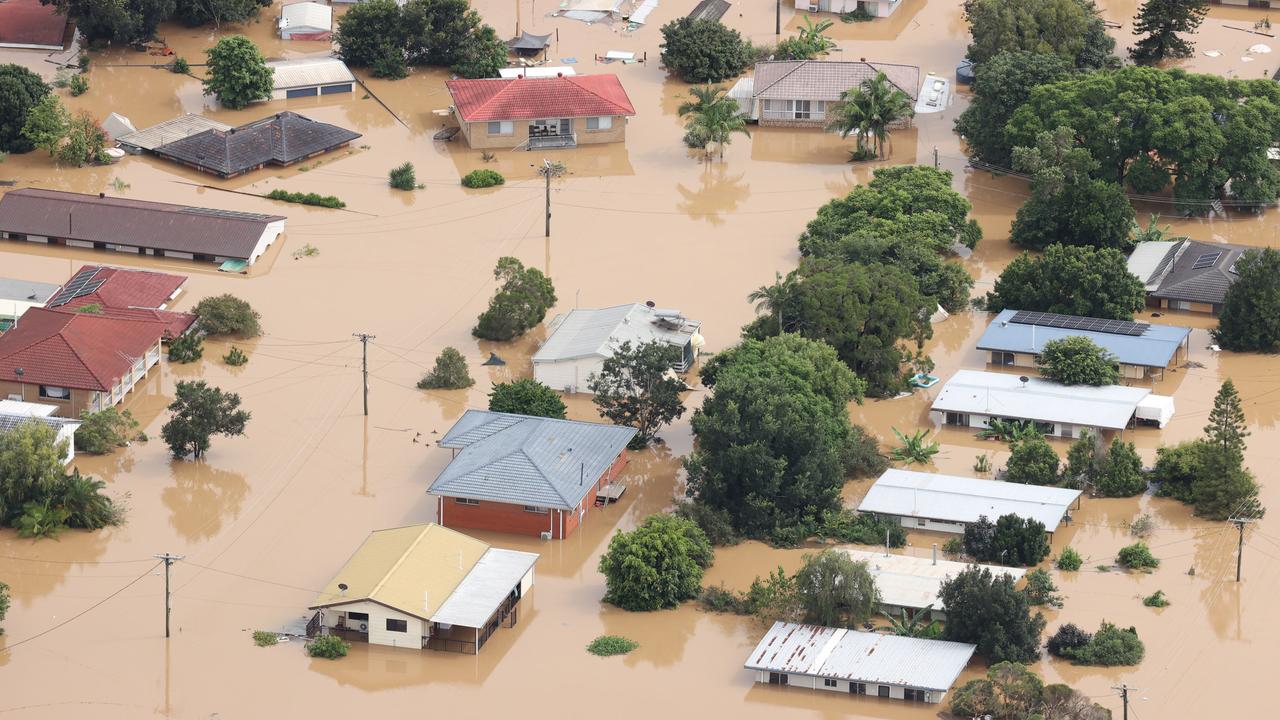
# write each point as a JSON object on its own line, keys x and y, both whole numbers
{"x": 946, "y": 503}
{"x": 310, "y": 77}
{"x": 526, "y": 475}
{"x": 579, "y": 341}
{"x": 1016, "y": 337}
{"x": 911, "y": 584}
{"x": 281, "y": 139}
{"x": 306, "y": 21}
{"x": 137, "y": 227}
{"x": 874, "y": 8}
{"x": 14, "y": 413}
{"x": 858, "y": 663}
{"x": 424, "y": 586}
{"x": 152, "y": 137}
{"x": 125, "y": 294}
{"x": 535, "y": 113}
{"x": 1186, "y": 274}
{"x": 973, "y": 398}
{"x": 797, "y": 93}
{"x": 32, "y": 25}
{"x": 19, "y": 296}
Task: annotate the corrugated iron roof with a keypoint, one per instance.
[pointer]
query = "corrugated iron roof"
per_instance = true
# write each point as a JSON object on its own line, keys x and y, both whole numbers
{"x": 914, "y": 582}
{"x": 488, "y": 584}
{"x": 1155, "y": 347}
{"x": 152, "y": 137}
{"x": 826, "y": 79}
{"x": 11, "y": 421}
{"x": 306, "y": 15}
{"x": 538, "y": 98}
{"x": 26, "y": 290}
{"x": 1006, "y": 396}
{"x": 591, "y": 332}
{"x": 310, "y": 72}
{"x": 909, "y": 493}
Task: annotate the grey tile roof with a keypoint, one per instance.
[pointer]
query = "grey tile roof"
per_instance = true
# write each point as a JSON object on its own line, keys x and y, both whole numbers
{"x": 826, "y": 79}
{"x": 1183, "y": 281}
{"x": 527, "y": 460}
{"x": 1153, "y": 348}
{"x": 282, "y": 139}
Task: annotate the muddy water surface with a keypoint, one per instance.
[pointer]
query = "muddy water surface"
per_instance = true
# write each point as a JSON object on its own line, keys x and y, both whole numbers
{"x": 265, "y": 519}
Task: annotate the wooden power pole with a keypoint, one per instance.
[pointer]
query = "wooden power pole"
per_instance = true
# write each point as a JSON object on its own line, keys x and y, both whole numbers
{"x": 550, "y": 170}
{"x": 168, "y": 561}
{"x": 1124, "y": 697}
{"x": 1240, "y": 523}
{"x": 364, "y": 364}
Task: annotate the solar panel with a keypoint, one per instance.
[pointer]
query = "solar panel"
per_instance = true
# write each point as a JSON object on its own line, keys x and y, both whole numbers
{"x": 78, "y": 286}
{"x": 1072, "y": 322}
{"x": 1206, "y": 260}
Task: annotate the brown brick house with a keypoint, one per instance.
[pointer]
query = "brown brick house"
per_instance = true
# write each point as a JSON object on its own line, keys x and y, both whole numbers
{"x": 526, "y": 475}
{"x": 537, "y": 113}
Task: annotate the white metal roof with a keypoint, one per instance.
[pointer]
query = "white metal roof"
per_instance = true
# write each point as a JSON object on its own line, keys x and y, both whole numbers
{"x": 860, "y": 656}
{"x": 304, "y": 15}
{"x": 27, "y": 290}
{"x": 1147, "y": 258}
{"x": 1006, "y": 396}
{"x": 484, "y": 588}
{"x": 537, "y": 72}
{"x": 1156, "y": 407}
{"x": 952, "y": 498}
{"x": 587, "y": 333}
{"x": 168, "y": 131}
{"x": 26, "y": 409}
{"x": 913, "y": 582}
{"x": 310, "y": 72}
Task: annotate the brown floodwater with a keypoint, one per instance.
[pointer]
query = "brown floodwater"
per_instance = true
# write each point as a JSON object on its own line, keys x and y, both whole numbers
{"x": 264, "y": 519}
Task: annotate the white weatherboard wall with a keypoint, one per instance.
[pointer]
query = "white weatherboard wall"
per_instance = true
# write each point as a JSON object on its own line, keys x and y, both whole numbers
{"x": 568, "y": 375}
{"x": 842, "y": 686}
{"x": 377, "y": 624}
{"x": 934, "y": 525}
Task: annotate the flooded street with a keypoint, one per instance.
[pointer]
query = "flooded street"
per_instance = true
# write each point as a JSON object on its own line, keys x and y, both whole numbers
{"x": 264, "y": 520}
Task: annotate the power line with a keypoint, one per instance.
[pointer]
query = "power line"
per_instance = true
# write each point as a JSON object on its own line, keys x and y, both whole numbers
{"x": 80, "y": 614}
{"x": 210, "y": 568}
{"x": 76, "y": 562}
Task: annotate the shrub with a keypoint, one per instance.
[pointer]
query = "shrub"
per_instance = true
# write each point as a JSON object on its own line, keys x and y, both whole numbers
{"x": 1012, "y": 539}
{"x": 522, "y": 301}
{"x": 954, "y": 546}
{"x": 1033, "y": 462}
{"x": 450, "y": 372}
{"x": 1156, "y": 599}
{"x": 227, "y": 315}
{"x": 720, "y": 599}
{"x": 1069, "y": 560}
{"x": 330, "y": 647}
{"x": 861, "y": 528}
{"x": 482, "y": 178}
{"x": 1077, "y": 360}
{"x": 80, "y": 498}
{"x": 1137, "y": 557}
{"x": 1123, "y": 474}
{"x": 186, "y": 348}
{"x": 235, "y": 357}
{"x": 328, "y": 201}
{"x": 180, "y": 66}
{"x": 657, "y": 565}
{"x": 40, "y": 520}
{"x": 1177, "y": 468}
{"x": 609, "y": 645}
{"x": 526, "y": 397}
{"x": 1109, "y": 646}
{"x": 262, "y": 638}
{"x": 1142, "y": 526}
{"x": 703, "y": 51}
{"x": 78, "y": 85}
{"x": 1067, "y": 639}
{"x": 1040, "y": 589}
{"x": 402, "y": 177}
{"x": 103, "y": 431}
{"x": 4, "y": 603}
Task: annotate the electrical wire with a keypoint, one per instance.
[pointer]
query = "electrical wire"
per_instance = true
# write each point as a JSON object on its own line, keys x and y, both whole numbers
{"x": 76, "y": 562}
{"x": 73, "y": 618}
{"x": 210, "y": 568}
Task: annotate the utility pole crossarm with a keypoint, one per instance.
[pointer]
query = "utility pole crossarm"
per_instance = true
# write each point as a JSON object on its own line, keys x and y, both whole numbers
{"x": 168, "y": 559}
{"x": 364, "y": 339}
{"x": 1124, "y": 697}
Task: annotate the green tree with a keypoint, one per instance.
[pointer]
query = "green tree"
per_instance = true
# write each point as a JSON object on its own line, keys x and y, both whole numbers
{"x": 1250, "y": 316}
{"x": 1123, "y": 474}
{"x": 1000, "y": 86}
{"x": 1109, "y": 646}
{"x": 774, "y": 444}
{"x": 199, "y": 412}
{"x": 1223, "y": 488}
{"x": 1177, "y": 468}
{"x": 635, "y": 388}
{"x": 987, "y": 611}
{"x": 771, "y": 299}
{"x": 914, "y": 448}
{"x": 813, "y": 36}
{"x": 30, "y": 466}
{"x": 195, "y": 13}
{"x": 85, "y": 143}
{"x": 238, "y": 74}
{"x": 20, "y": 92}
{"x": 1070, "y": 29}
{"x": 1137, "y": 557}
{"x": 835, "y": 591}
{"x": 1069, "y": 560}
{"x": 373, "y": 34}
{"x": 438, "y": 31}
{"x": 1032, "y": 462}
{"x": 1160, "y": 21}
{"x": 227, "y": 315}
{"x": 482, "y": 54}
{"x": 105, "y": 430}
{"x": 1077, "y": 360}
{"x": 449, "y": 373}
{"x": 1011, "y": 540}
{"x": 523, "y": 298}
{"x": 47, "y": 124}
{"x": 1071, "y": 281}
{"x": 403, "y": 177}
{"x": 1068, "y": 638}
{"x": 658, "y": 565}
{"x": 703, "y": 51}
{"x": 868, "y": 110}
{"x": 1086, "y": 460}
{"x": 915, "y": 627}
{"x": 526, "y": 397}
{"x": 4, "y": 603}
{"x": 186, "y": 348}
{"x": 713, "y": 118}
{"x": 1041, "y": 590}
{"x": 119, "y": 21}
{"x": 1009, "y": 692}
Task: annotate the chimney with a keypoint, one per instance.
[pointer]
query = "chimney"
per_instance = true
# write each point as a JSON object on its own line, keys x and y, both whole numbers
{"x": 935, "y": 553}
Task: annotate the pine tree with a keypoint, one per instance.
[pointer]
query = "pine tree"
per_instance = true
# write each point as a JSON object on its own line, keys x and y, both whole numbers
{"x": 1226, "y": 429}
{"x": 1224, "y": 487}
{"x": 1161, "y": 21}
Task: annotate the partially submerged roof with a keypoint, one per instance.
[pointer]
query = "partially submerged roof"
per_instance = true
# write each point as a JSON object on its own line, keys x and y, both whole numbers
{"x": 1006, "y": 396}
{"x": 1150, "y": 261}
{"x": 131, "y": 294}
{"x": 865, "y": 657}
{"x": 529, "y": 41}
{"x": 10, "y": 420}
{"x": 306, "y": 16}
{"x": 29, "y": 24}
{"x": 26, "y": 291}
{"x": 150, "y": 138}
{"x": 1131, "y": 343}
{"x": 1190, "y": 270}
{"x": 430, "y": 572}
{"x": 914, "y": 582}
{"x": 541, "y": 71}
{"x": 826, "y": 79}
{"x": 527, "y": 460}
{"x": 310, "y": 72}
{"x": 139, "y": 223}
{"x": 908, "y": 493}
{"x": 597, "y": 333}
{"x": 281, "y": 139}
{"x": 536, "y": 98}
{"x": 75, "y": 350}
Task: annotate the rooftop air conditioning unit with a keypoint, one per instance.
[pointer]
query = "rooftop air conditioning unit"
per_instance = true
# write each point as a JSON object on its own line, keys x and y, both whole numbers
{"x": 545, "y": 535}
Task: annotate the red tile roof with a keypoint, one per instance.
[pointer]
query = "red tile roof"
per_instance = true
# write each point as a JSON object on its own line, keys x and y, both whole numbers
{"x": 75, "y": 350}
{"x": 27, "y": 22}
{"x": 537, "y": 98}
{"x": 134, "y": 295}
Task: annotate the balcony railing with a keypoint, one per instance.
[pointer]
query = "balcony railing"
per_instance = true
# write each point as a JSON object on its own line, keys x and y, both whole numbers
{"x": 812, "y": 116}
{"x": 542, "y": 142}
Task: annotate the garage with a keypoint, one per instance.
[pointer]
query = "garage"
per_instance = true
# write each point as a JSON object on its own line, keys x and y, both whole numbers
{"x": 301, "y": 92}
{"x": 310, "y": 77}
{"x": 335, "y": 89}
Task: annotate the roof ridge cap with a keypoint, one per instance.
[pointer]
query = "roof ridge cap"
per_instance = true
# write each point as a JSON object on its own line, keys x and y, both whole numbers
{"x": 400, "y": 560}
{"x": 545, "y": 478}
{"x": 798, "y": 64}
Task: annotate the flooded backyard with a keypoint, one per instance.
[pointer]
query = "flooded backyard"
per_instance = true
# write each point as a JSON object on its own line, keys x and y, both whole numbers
{"x": 264, "y": 520}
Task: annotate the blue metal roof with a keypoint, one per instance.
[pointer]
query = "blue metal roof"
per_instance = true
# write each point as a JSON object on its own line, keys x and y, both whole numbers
{"x": 1153, "y": 348}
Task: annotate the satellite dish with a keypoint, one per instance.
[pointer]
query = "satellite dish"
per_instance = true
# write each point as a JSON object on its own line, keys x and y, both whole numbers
{"x": 1024, "y": 379}
{"x": 342, "y": 587}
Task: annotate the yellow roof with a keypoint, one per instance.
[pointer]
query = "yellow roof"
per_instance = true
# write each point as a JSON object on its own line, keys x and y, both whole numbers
{"x": 412, "y": 569}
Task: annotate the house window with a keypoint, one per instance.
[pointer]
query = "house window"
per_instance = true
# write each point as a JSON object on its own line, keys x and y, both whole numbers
{"x": 922, "y": 522}
{"x": 857, "y": 688}
{"x": 535, "y": 509}
{"x": 501, "y": 127}
{"x": 829, "y": 682}
{"x": 53, "y": 392}
{"x": 777, "y": 678}
{"x": 1001, "y": 358}
{"x": 882, "y": 690}
{"x": 603, "y": 122}
{"x": 915, "y": 695}
{"x": 961, "y": 419}
{"x": 394, "y": 625}
{"x": 358, "y": 617}
{"x": 466, "y": 501}
{"x": 800, "y": 109}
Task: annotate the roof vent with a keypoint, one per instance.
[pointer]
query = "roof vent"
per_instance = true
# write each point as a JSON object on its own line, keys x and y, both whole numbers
{"x": 19, "y": 372}
{"x": 1024, "y": 380}
{"x": 102, "y": 195}
{"x": 559, "y": 74}
{"x": 650, "y": 304}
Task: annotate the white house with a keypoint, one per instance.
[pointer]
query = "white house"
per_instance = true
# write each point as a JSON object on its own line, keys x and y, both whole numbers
{"x": 305, "y": 21}
{"x": 912, "y": 583}
{"x": 15, "y": 412}
{"x": 579, "y": 341}
{"x": 424, "y": 586}
{"x": 858, "y": 663}
{"x": 973, "y": 398}
{"x": 874, "y": 8}
{"x": 309, "y": 77}
{"x": 946, "y": 503}
{"x": 19, "y": 296}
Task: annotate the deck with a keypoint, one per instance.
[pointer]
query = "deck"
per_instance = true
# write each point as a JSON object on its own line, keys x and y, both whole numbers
{"x": 610, "y": 493}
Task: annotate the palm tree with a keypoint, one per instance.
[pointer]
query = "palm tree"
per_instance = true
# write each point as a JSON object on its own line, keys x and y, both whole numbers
{"x": 913, "y": 627}
{"x": 713, "y": 118}
{"x": 914, "y": 449}
{"x": 812, "y": 36}
{"x": 870, "y": 109}
{"x": 772, "y": 298}
{"x": 1152, "y": 232}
